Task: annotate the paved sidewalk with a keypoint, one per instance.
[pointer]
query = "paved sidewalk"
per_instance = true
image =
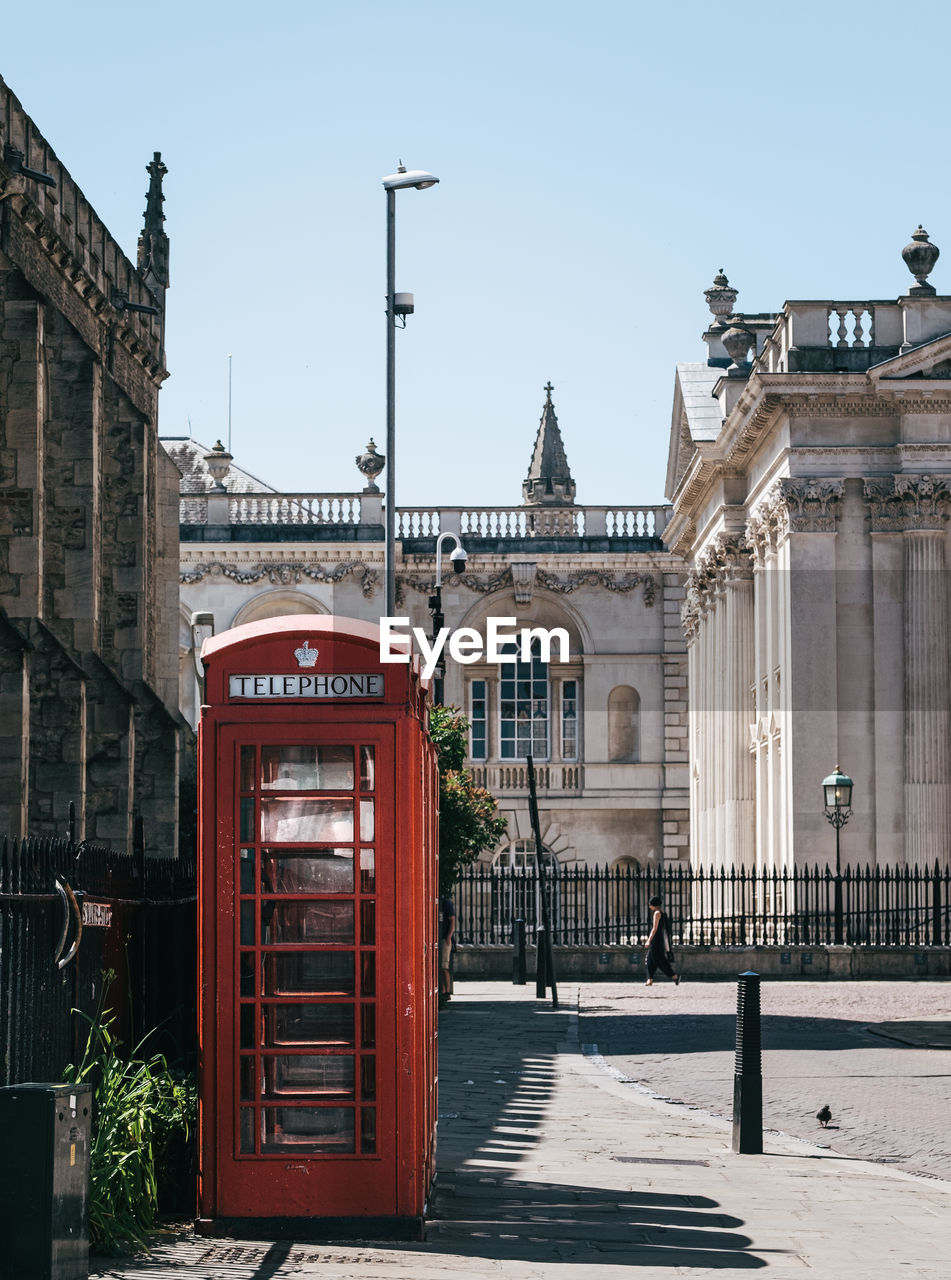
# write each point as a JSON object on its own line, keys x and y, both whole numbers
{"x": 551, "y": 1167}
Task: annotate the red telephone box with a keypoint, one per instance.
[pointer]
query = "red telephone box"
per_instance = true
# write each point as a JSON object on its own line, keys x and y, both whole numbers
{"x": 317, "y": 893}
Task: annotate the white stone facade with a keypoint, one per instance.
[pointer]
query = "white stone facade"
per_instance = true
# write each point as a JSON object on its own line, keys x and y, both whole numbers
{"x": 812, "y": 509}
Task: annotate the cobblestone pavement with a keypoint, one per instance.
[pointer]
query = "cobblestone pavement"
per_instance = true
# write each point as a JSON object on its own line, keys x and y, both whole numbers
{"x": 890, "y": 1100}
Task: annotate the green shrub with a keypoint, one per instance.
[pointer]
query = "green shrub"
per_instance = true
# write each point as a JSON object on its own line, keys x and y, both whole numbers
{"x": 139, "y": 1107}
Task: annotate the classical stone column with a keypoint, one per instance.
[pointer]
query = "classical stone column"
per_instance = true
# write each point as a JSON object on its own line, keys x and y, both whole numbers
{"x": 738, "y": 676}
{"x": 691, "y": 621}
{"x": 918, "y": 505}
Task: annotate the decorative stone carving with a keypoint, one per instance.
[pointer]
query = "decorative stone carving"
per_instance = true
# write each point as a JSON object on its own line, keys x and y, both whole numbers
{"x": 737, "y": 342}
{"x": 563, "y": 586}
{"x": 811, "y": 503}
{"x": 920, "y": 256}
{"x": 904, "y": 502}
{"x": 282, "y": 575}
{"x": 370, "y": 464}
{"x": 218, "y": 463}
{"x": 153, "y": 242}
{"x": 766, "y": 526}
{"x": 727, "y": 559}
{"x": 523, "y": 580}
{"x": 721, "y": 299}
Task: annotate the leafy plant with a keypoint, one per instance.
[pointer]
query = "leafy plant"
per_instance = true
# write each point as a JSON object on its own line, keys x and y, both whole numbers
{"x": 139, "y": 1105}
{"x": 468, "y": 817}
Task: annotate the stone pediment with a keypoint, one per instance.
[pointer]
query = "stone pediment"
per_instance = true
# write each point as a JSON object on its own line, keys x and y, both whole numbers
{"x": 930, "y": 360}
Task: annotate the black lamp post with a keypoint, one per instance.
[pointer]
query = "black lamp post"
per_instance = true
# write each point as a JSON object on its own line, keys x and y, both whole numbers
{"x": 458, "y": 561}
{"x": 837, "y": 797}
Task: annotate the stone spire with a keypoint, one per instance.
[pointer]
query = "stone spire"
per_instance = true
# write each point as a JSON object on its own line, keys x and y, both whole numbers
{"x": 549, "y": 481}
{"x": 153, "y": 242}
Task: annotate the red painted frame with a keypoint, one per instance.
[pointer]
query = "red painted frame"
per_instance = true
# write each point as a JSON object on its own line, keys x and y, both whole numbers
{"x": 389, "y": 1186}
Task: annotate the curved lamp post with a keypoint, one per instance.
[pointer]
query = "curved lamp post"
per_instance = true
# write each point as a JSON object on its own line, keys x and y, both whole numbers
{"x": 837, "y": 797}
{"x": 391, "y": 184}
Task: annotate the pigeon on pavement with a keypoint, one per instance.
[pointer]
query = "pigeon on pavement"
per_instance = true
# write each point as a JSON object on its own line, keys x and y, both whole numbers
{"x": 824, "y": 1116}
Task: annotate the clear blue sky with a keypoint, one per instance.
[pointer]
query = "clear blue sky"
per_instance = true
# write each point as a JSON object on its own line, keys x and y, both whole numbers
{"x": 598, "y": 163}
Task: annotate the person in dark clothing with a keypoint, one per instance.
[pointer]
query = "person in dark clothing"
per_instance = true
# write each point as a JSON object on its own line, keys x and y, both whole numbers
{"x": 659, "y": 954}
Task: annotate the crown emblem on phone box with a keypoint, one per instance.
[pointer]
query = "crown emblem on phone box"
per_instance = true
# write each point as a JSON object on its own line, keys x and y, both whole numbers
{"x": 305, "y": 655}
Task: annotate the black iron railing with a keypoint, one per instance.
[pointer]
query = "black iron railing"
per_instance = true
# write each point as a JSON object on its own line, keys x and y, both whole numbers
{"x": 594, "y": 906}
{"x": 71, "y": 912}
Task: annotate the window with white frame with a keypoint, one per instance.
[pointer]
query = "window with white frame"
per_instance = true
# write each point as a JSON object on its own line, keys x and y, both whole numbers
{"x": 478, "y": 722}
{"x": 524, "y": 707}
{"x": 569, "y": 720}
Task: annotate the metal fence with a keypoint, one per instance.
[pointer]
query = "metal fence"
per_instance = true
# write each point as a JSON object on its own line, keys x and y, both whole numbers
{"x": 592, "y": 906}
{"x": 72, "y": 912}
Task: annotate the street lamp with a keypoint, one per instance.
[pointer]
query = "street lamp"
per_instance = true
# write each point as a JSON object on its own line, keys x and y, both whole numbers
{"x": 402, "y": 305}
{"x": 837, "y": 797}
{"x": 458, "y": 561}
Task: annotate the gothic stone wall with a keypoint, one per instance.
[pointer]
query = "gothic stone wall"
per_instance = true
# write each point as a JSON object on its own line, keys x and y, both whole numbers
{"x": 88, "y": 538}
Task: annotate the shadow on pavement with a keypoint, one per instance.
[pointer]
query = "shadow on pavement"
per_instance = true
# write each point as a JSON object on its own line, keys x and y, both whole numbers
{"x": 497, "y": 1086}
{"x": 510, "y": 1219}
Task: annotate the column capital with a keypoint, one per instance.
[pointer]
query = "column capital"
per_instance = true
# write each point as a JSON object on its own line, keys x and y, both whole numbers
{"x": 903, "y": 503}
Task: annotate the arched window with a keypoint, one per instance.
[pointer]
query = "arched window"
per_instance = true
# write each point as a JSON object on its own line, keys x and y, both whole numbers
{"x": 519, "y": 855}
{"x": 515, "y": 892}
{"x": 277, "y": 604}
{"x": 624, "y": 724}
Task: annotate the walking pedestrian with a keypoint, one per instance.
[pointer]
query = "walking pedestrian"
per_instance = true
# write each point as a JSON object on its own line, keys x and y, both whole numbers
{"x": 659, "y": 950}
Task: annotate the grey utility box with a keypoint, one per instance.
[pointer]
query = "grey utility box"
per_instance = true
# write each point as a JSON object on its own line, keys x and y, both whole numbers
{"x": 44, "y": 1181}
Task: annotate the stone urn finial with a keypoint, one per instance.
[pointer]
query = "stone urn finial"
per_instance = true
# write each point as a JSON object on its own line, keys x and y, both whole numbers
{"x": 737, "y": 342}
{"x": 371, "y": 464}
{"x": 920, "y": 256}
{"x": 721, "y": 299}
{"x": 218, "y": 463}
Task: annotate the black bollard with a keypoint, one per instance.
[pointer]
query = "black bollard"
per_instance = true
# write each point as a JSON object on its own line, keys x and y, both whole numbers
{"x": 518, "y": 953}
{"x": 748, "y": 1072}
{"x": 541, "y": 964}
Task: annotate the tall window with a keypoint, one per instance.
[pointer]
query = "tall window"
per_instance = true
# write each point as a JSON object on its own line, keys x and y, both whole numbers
{"x": 477, "y": 720}
{"x": 523, "y": 707}
{"x": 569, "y": 720}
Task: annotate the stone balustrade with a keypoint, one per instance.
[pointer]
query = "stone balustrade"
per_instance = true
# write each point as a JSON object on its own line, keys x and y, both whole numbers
{"x": 512, "y": 779}
{"x": 273, "y": 509}
{"x": 854, "y": 333}
{"x": 425, "y": 522}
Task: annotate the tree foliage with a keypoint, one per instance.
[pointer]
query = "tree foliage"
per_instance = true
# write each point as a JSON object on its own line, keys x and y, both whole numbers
{"x": 468, "y": 817}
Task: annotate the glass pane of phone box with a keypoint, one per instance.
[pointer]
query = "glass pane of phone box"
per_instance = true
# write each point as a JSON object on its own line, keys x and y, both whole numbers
{"x": 307, "y": 871}
{"x": 309, "y": 1024}
{"x": 286, "y": 768}
{"x": 314, "y": 1130}
{"x": 309, "y": 1075}
{"x": 309, "y": 973}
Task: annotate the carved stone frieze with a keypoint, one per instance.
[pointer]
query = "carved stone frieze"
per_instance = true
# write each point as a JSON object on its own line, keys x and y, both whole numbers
{"x": 285, "y": 574}
{"x": 901, "y": 502}
{"x": 563, "y": 586}
{"x": 840, "y": 406}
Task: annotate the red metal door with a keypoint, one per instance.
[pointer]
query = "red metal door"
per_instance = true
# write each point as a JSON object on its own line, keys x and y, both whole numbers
{"x": 306, "y": 1055}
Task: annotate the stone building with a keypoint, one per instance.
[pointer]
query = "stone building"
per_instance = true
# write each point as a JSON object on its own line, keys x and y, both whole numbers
{"x": 607, "y": 729}
{"x": 810, "y": 477}
{"x": 88, "y": 511}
